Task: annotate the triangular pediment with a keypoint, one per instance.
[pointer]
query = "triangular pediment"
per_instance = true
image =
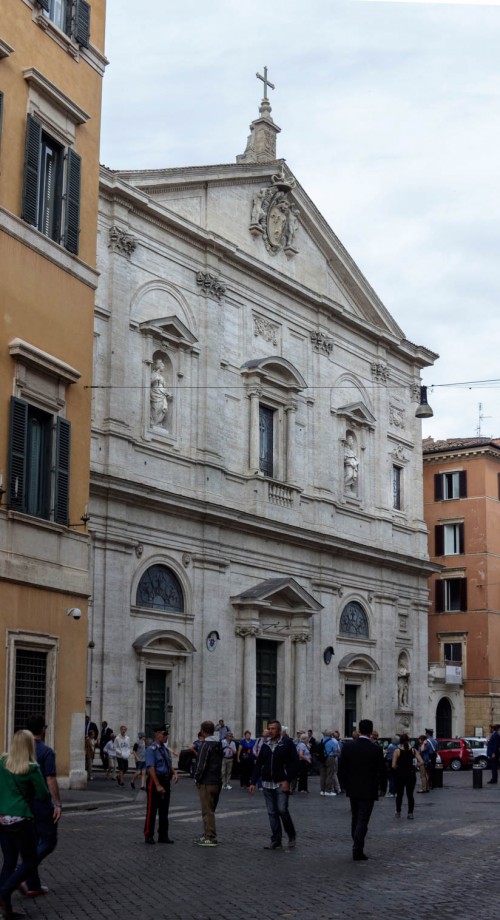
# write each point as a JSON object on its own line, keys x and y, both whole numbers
{"x": 357, "y": 414}
{"x": 280, "y": 595}
{"x": 220, "y": 204}
{"x": 169, "y": 328}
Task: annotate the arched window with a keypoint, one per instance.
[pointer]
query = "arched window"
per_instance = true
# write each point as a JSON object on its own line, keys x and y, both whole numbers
{"x": 160, "y": 589}
{"x": 354, "y": 621}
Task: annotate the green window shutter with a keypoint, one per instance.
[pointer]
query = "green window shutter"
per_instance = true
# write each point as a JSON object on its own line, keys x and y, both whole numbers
{"x": 72, "y": 212}
{"x": 439, "y": 539}
{"x": 462, "y": 484}
{"x": 61, "y": 497}
{"x": 82, "y": 23}
{"x": 31, "y": 171}
{"x": 18, "y": 437}
{"x": 439, "y": 596}
{"x": 45, "y": 4}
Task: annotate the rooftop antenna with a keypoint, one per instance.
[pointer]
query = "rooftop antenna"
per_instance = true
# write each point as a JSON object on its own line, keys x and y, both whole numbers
{"x": 480, "y": 419}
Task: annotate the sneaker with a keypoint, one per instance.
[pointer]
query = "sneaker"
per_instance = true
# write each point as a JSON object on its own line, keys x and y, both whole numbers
{"x": 398, "y": 814}
{"x": 322, "y": 793}
{"x": 274, "y": 845}
{"x": 224, "y": 787}
{"x": 229, "y": 787}
{"x": 410, "y": 817}
{"x": 132, "y": 784}
{"x": 207, "y": 842}
{"x": 330, "y": 793}
{"x": 291, "y": 843}
{"x": 149, "y": 840}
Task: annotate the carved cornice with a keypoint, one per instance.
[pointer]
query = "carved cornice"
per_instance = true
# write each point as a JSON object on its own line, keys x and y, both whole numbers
{"x": 322, "y": 343}
{"x": 121, "y": 241}
{"x": 210, "y": 285}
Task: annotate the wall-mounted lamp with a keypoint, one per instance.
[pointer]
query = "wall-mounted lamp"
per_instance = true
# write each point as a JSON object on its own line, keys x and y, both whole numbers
{"x": 424, "y": 410}
{"x": 85, "y": 518}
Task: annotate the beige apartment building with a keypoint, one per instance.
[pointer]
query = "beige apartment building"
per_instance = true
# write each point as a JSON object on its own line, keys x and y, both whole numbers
{"x": 51, "y": 68}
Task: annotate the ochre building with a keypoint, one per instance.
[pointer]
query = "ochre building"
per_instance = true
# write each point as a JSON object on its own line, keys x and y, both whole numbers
{"x": 51, "y": 68}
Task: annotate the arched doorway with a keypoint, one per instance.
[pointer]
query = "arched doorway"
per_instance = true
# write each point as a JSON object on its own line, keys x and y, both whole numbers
{"x": 444, "y": 719}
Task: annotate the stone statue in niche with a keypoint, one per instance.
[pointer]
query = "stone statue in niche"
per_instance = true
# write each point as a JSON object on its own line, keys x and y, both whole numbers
{"x": 403, "y": 686}
{"x": 159, "y": 396}
{"x": 351, "y": 463}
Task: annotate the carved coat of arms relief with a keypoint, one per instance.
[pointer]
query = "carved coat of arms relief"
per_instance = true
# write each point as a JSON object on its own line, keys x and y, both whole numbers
{"x": 275, "y": 216}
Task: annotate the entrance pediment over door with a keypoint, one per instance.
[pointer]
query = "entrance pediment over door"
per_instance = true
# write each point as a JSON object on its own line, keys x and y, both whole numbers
{"x": 358, "y": 664}
{"x": 162, "y": 643}
{"x": 282, "y": 595}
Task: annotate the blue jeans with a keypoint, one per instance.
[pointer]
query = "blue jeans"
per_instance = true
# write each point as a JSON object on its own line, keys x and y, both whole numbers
{"x": 16, "y": 840}
{"x": 277, "y": 810}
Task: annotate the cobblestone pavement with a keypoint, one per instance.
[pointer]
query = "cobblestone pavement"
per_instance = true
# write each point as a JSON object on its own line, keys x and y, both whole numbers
{"x": 102, "y": 870}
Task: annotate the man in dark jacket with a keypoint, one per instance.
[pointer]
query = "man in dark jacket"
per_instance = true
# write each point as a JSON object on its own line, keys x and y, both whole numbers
{"x": 363, "y": 775}
{"x": 277, "y": 765}
{"x": 207, "y": 777}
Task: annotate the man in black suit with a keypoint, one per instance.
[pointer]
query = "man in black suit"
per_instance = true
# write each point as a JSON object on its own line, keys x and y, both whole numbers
{"x": 363, "y": 775}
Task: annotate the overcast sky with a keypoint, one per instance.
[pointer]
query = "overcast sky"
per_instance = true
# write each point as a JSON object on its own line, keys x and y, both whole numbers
{"x": 390, "y": 119}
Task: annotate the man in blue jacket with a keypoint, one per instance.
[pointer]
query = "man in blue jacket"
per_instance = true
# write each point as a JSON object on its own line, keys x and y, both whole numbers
{"x": 277, "y": 765}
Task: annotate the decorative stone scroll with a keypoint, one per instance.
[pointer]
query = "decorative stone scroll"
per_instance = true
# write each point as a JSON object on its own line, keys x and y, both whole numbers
{"x": 210, "y": 285}
{"x": 415, "y": 392}
{"x": 399, "y": 454}
{"x": 322, "y": 343}
{"x": 380, "y": 372}
{"x": 121, "y": 241}
{"x": 275, "y": 216}
{"x": 397, "y": 417}
{"x": 265, "y": 329}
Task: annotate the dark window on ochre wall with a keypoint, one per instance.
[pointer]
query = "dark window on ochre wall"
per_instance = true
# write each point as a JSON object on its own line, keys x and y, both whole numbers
{"x": 451, "y": 595}
{"x": 450, "y": 485}
{"x": 71, "y": 16}
{"x": 453, "y": 653}
{"x": 39, "y": 463}
{"x": 449, "y": 539}
{"x": 159, "y": 589}
{"x": 30, "y": 685}
{"x": 51, "y": 187}
{"x": 266, "y": 440}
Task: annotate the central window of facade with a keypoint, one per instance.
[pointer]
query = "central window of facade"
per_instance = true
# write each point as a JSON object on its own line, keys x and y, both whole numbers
{"x": 160, "y": 589}
{"x": 266, "y": 440}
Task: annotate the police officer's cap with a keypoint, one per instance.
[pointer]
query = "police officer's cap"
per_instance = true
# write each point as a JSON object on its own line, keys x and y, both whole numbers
{"x": 161, "y": 728}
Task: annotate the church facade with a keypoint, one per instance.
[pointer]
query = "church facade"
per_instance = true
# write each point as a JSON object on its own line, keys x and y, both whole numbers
{"x": 259, "y": 548}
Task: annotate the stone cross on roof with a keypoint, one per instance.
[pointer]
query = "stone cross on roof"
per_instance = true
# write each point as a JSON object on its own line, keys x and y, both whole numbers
{"x": 265, "y": 81}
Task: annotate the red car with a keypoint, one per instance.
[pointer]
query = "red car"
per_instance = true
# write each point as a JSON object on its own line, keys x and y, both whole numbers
{"x": 456, "y": 753}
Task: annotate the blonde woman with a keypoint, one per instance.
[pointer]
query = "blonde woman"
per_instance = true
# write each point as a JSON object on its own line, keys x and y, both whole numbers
{"x": 21, "y": 781}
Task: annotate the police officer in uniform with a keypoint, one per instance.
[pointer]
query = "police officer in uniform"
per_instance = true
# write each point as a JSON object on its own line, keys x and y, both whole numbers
{"x": 160, "y": 773}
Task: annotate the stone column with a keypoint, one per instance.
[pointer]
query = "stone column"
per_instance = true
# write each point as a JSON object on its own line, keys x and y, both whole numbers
{"x": 249, "y": 677}
{"x": 254, "y": 395}
{"x": 300, "y": 641}
{"x": 290, "y": 442}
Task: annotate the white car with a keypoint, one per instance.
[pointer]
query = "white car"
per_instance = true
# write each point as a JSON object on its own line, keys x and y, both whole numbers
{"x": 478, "y": 746}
